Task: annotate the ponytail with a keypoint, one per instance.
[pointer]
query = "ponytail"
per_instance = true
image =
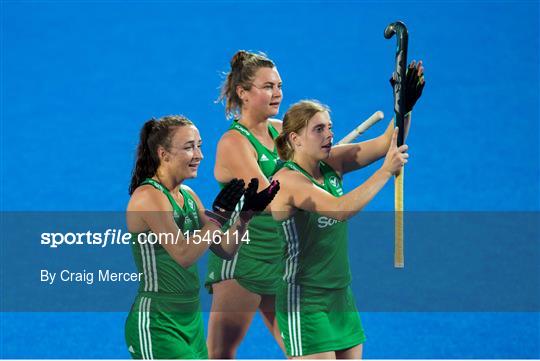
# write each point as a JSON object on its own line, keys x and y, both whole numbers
{"x": 283, "y": 146}
{"x": 146, "y": 163}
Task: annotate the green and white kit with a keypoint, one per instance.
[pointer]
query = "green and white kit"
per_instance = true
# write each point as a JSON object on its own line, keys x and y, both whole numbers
{"x": 315, "y": 307}
{"x": 165, "y": 320}
{"x": 257, "y": 266}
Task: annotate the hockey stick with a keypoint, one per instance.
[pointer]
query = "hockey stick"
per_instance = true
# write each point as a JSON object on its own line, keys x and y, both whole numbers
{"x": 374, "y": 118}
{"x": 402, "y": 36}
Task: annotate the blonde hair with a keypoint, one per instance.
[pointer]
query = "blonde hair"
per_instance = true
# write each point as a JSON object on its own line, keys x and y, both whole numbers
{"x": 296, "y": 118}
{"x": 244, "y": 65}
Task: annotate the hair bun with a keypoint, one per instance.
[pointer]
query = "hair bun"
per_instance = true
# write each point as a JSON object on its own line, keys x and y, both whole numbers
{"x": 239, "y": 58}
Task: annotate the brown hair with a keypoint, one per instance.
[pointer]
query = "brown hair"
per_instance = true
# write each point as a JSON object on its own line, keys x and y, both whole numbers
{"x": 154, "y": 133}
{"x": 296, "y": 118}
{"x": 244, "y": 65}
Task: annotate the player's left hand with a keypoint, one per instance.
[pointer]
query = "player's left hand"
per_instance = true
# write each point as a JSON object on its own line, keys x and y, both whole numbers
{"x": 256, "y": 202}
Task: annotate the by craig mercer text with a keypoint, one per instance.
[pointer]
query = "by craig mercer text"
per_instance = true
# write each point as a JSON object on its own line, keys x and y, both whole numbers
{"x": 112, "y": 237}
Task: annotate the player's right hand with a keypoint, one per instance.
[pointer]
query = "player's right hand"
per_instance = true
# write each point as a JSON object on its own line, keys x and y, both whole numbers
{"x": 413, "y": 85}
{"x": 254, "y": 202}
{"x": 396, "y": 157}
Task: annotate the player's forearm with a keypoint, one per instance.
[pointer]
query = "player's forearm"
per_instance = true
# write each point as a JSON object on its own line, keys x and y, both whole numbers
{"x": 193, "y": 247}
{"x": 385, "y": 139}
{"x": 387, "y": 136}
{"x": 354, "y": 201}
{"x": 189, "y": 251}
{"x": 379, "y": 146}
{"x": 230, "y": 243}
{"x": 372, "y": 150}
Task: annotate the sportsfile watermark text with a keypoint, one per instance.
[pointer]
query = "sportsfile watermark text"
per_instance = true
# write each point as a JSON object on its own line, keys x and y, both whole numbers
{"x": 112, "y": 237}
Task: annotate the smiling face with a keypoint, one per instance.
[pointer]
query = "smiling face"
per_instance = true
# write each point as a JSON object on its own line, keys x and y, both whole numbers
{"x": 183, "y": 156}
{"x": 264, "y": 96}
{"x": 315, "y": 139}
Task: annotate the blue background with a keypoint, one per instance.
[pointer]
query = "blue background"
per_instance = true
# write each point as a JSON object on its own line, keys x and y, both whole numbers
{"x": 78, "y": 79}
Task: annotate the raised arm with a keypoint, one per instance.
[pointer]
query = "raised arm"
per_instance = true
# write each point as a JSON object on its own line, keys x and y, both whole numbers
{"x": 299, "y": 192}
{"x": 349, "y": 157}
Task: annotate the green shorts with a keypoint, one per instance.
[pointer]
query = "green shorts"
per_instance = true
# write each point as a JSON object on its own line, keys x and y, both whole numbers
{"x": 261, "y": 276}
{"x": 164, "y": 329}
{"x": 317, "y": 320}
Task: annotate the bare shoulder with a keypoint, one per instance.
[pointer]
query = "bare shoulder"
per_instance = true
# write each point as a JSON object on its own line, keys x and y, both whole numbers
{"x": 289, "y": 179}
{"x": 232, "y": 141}
{"x": 281, "y": 174}
{"x": 148, "y": 198}
{"x": 292, "y": 185}
{"x": 278, "y": 124}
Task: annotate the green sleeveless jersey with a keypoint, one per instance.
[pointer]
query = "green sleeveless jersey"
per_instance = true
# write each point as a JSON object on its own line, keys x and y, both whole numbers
{"x": 264, "y": 242}
{"x": 316, "y": 251}
{"x": 162, "y": 275}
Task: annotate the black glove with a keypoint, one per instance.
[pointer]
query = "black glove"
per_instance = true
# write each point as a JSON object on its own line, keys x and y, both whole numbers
{"x": 226, "y": 201}
{"x": 256, "y": 202}
{"x": 413, "y": 86}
